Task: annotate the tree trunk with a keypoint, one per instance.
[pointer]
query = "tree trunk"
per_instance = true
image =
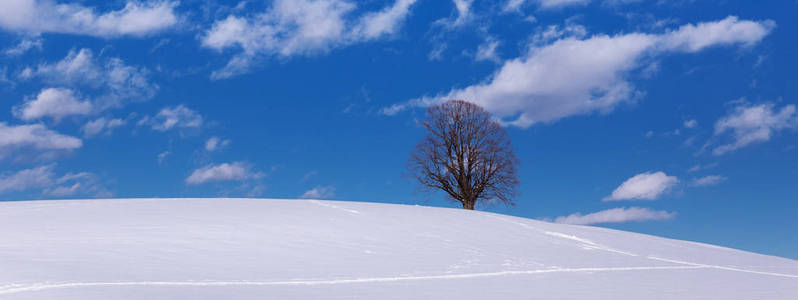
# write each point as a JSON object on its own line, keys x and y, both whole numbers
{"x": 468, "y": 204}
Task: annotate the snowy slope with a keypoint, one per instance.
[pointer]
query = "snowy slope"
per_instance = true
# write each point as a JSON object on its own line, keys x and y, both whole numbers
{"x": 307, "y": 249}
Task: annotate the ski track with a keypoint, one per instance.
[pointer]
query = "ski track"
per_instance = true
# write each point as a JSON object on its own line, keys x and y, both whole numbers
{"x": 722, "y": 267}
{"x": 586, "y": 244}
{"x": 20, "y": 288}
{"x": 334, "y": 206}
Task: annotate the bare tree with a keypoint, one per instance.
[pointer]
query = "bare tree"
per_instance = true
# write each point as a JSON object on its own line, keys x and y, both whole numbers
{"x": 466, "y": 154}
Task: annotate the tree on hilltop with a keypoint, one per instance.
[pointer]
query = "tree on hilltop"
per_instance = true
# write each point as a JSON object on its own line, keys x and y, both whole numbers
{"x": 465, "y": 153}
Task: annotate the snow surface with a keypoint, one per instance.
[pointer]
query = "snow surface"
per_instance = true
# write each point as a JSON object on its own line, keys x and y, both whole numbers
{"x": 309, "y": 249}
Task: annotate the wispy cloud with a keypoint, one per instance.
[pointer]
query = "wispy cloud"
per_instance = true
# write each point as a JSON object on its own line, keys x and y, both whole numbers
{"x": 101, "y": 125}
{"x": 136, "y": 18}
{"x": 173, "y": 118}
{"x": 162, "y": 156}
{"x": 299, "y": 27}
{"x": 708, "y": 180}
{"x": 308, "y": 175}
{"x": 215, "y": 143}
{"x": 74, "y": 184}
{"x": 319, "y": 192}
{"x": 38, "y": 177}
{"x": 751, "y": 124}
{"x": 700, "y": 167}
{"x": 515, "y": 5}
{"x": 44, "y": 179}
{"x": 26, "y": 44}
{"x": 386, "y": 22}
{"x": 487, "y": 51}
{"x": 616, "y": 215}
{"x": 462, "y": 15}
{"x": 116, "y": 82}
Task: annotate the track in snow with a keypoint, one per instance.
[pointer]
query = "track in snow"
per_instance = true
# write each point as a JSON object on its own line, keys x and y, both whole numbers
{"x": 19, "y": 288}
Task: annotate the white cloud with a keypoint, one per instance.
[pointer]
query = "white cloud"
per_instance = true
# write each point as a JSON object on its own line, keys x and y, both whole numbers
{"x": 708, "y": 180}
{"x": 388, "y": 21}
{"x": 162, "y": 156}
{"x": 442, "y": 28}
{"x": 34, "y": 136}
{"x": 137, "y": 18}
{"x": 515, "y": 5}
{"x": 463, "y": 10}
{"x": 487, "y": 51}
{"x": 117, "y": 82}
{"x": 644, "y": 186}
{"x": 69, "y": 190}
{"x": 576, "y": 76}
{"x": 289, "y": 28}
{"x": 25, "y": 45}
{"x": 552, "y": 33}
{"x": 55, "y": 103}
{"x": 77, "y": 66}
{"x": 222, "y": 172}
{"x": 39, "y": 177}
{"x": 256, "y": 191}
{"x": 215, "y": 143}
{"x": 690, "y": 124}
{"x": 4, "y": 76}
{"x": 308, "y": 175}
{"x": 569, "y": 77}
{"x": 44, "y": 178}
{"x": 700, "y": 167}
{"x": 172, "y": 118}
{"x": 437, "y": 52}
{"x": 729, "y": 31}
{"x": 298, "y": 27}
{"x": 750, "y": 124}
{"x": 616, "y": 215}
{"x": 319, "y": 192}
{"x": 82, "y": 183}
{"x": 554, "y": 4}
{"x": 100, "y": 125}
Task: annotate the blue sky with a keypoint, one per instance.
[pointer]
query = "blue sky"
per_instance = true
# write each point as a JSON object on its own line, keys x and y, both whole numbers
{"x": 673, "y": 118}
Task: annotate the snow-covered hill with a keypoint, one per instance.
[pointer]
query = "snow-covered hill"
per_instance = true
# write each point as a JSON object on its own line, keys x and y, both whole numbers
{"x": 307, "y": 249}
